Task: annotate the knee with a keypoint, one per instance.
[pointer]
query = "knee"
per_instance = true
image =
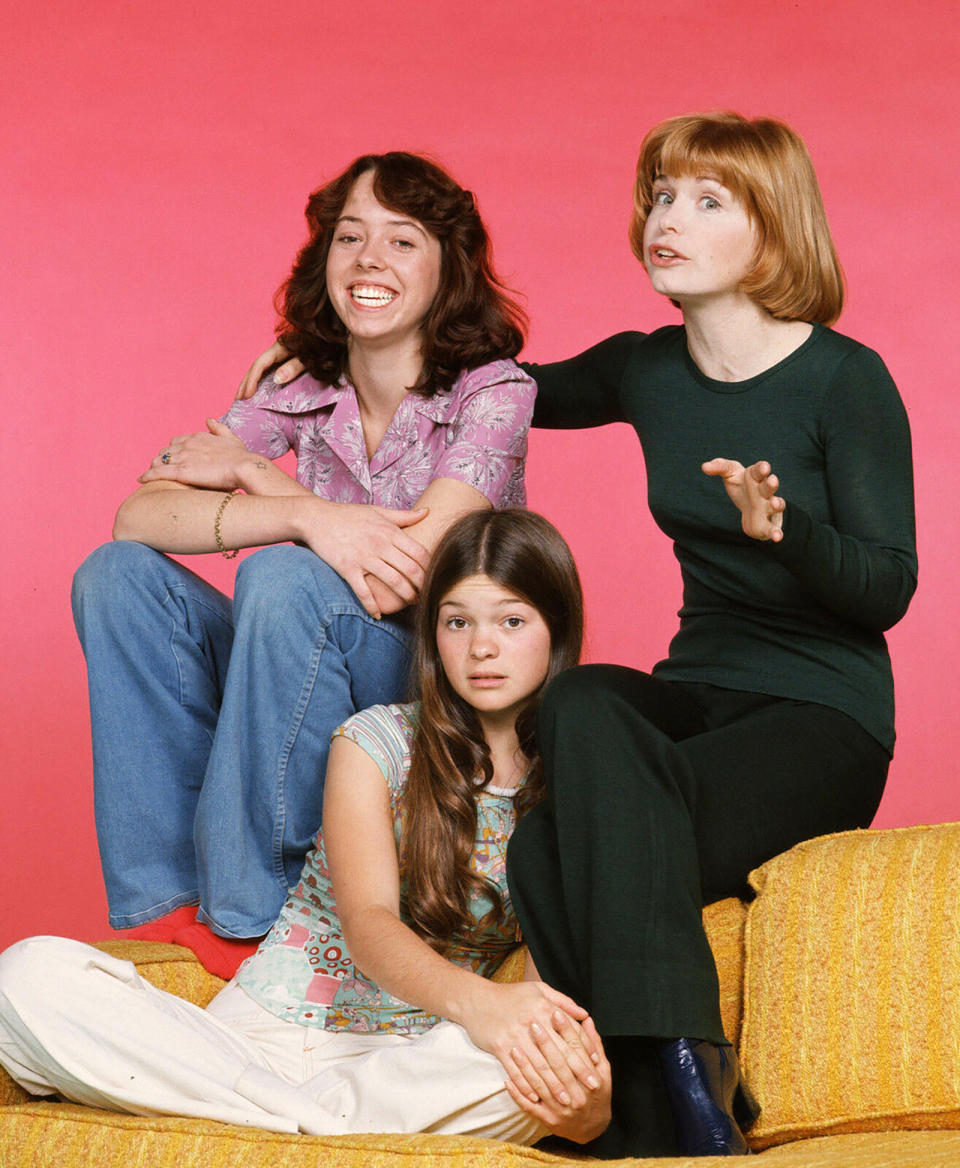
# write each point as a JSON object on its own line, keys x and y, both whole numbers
{"x": 111, "y": 562}
{"x": 29, "y": 965}
{"x": 275, "y": 578}
{"x": 112, "y": 570}
{"x": 575, "y": 693}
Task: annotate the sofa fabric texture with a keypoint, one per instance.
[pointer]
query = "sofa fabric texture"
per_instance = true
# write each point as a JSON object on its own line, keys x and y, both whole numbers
{"x": 78, "y": 1137}
{"x": 852, "y": 985}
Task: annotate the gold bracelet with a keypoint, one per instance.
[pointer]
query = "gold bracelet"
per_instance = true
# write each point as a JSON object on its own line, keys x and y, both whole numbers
{"x": 216, "y": 527}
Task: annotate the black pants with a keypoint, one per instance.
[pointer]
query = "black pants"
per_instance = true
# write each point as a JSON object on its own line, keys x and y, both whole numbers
{"x": 662, "y": 797}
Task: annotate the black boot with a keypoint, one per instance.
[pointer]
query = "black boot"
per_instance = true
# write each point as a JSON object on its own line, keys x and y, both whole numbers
{"x": 701, "y": 1080}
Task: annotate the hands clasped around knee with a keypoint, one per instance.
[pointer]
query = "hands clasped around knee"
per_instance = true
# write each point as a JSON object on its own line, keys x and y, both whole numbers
{"x": 548, "y": 1045}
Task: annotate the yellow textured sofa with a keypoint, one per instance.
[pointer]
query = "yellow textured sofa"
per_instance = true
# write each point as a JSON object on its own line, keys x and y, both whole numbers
{"x": 840, "y": 983}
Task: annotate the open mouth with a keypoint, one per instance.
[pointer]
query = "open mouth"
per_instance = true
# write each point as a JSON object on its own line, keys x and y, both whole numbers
{"x": 372, "y": 295}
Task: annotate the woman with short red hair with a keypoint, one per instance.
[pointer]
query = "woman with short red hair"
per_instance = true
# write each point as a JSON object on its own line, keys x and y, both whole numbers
{"x": 212, "y": 718}
{"x": 778, "y": 461}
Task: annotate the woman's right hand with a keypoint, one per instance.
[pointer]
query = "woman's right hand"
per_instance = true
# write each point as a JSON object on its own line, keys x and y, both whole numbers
{"x": 211, "y": 459}
{"x": 753, "y": 490}
{"x": 553, "y": 1058}
{"x": 359, "y": 540}
{"x": 292, "y": 367}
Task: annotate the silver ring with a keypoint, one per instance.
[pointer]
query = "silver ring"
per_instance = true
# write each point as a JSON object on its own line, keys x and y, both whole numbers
{"x": 165, "y": 457}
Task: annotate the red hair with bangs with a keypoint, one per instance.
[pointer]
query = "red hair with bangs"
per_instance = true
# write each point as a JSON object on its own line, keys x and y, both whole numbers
{"x": 796, "y": 275}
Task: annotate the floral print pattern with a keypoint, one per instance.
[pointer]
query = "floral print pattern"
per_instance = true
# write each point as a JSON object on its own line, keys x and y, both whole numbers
{"x": 475, "y": 432}
{"x": 303, "y": 971}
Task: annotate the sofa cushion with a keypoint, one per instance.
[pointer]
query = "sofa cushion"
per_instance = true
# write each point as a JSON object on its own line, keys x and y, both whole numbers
{"x": 852, "y": 985}
{"x": 64, "y": 1135}
{"x": 724, "y": 924}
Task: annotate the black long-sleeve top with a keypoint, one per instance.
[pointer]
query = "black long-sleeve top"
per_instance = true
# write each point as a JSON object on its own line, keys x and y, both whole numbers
{"x": 802, "y": 618}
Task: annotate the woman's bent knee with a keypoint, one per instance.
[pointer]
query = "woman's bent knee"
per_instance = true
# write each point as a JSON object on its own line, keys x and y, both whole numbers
{"x": 575, "y": 692}
{"x": 113, "y": 564}
{"x": 45, "y": 968}
{"x": 273, "y": 576}
{"x": 116, "y": 578}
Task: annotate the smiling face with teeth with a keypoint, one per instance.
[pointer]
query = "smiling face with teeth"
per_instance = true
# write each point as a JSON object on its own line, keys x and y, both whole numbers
{"x": 383, "y": 271}
{"x": 699, "y": 242}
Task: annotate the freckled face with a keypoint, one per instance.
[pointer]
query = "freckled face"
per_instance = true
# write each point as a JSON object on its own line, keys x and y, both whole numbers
{"x": 698, "y": 240}
{"x": 494, "y": 647}
{"x": 383, "y": 269}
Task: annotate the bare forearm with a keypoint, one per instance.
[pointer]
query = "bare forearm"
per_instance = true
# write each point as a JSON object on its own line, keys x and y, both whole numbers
{"x": 447, "y": 500}
{"x": 404, "y": 965}
{"x": 172, "y": 518}
{"x": 258, "y": 475}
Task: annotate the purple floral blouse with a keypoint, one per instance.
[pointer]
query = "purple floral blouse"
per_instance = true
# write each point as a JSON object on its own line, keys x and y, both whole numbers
{"x": 475, "y": 432}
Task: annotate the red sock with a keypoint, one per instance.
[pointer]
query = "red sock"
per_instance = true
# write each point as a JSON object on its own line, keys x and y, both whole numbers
{"x": 220, "y": 955}
{"x": 163, "y": 928}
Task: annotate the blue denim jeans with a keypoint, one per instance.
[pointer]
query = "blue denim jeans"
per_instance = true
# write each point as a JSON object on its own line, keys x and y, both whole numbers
{"x": 211, "y": 723}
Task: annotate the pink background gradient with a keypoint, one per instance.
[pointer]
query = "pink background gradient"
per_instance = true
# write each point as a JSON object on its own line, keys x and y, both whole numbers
{"x": 158, "y": 159}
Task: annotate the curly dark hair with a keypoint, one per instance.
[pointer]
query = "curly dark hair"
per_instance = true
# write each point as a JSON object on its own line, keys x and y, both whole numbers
{"x": 473, "y": 318}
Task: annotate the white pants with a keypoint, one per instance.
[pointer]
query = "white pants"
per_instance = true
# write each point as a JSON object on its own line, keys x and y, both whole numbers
{"x": 77, "y": 1022}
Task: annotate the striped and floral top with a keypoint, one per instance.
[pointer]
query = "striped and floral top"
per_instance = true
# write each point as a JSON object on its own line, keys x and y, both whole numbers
{"x": 302, "y": 971}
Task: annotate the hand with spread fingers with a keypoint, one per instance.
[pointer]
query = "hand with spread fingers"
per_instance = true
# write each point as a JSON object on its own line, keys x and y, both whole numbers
{"x": 753, "y": 490}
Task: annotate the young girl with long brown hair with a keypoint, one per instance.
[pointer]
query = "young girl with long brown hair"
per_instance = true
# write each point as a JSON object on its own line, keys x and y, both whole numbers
{"x": 369, "y": 1007}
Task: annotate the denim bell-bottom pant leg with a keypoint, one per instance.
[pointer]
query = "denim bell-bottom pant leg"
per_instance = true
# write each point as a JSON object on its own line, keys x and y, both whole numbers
{"x": 211, "y": 723}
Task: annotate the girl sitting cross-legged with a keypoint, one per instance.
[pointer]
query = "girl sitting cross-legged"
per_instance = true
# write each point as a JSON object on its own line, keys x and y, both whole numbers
{"x": 368, "y": 1006}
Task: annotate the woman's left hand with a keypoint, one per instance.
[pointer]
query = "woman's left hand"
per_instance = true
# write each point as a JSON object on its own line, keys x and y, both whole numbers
{"x": 587, "y": 1114}
{"x": 753, "y": 490}
{"x": 211, "y": 459}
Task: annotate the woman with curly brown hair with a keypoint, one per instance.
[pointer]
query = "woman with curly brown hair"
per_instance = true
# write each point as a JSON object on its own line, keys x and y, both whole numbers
{"x": 369, "y": 1007}
{"x": 211, "y": 719}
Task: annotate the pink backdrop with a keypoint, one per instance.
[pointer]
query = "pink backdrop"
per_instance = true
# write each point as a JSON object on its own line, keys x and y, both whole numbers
{"x": 159, "y": 157}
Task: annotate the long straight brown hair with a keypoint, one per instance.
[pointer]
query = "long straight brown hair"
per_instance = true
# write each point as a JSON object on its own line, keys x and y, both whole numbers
{"x": 451, "y": 762}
